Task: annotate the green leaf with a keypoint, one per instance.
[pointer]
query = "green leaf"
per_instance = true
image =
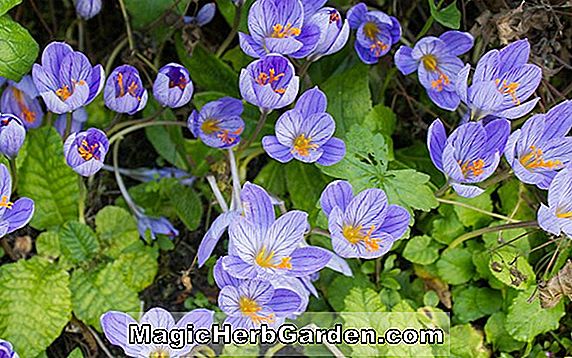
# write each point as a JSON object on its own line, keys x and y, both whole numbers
{"x": 98, "y": 291}
{"x": 475, "y": 302}
{"x": 340, "y": 287}
{"x": 305, "y": 183}
{"x": 447, "y": 226}
{"x": 497, "y": 335}
{"x": 207, "y": 71}
{"x": 271, "y": 177}
{"x": 449, "y": 16}
{"x": 168, "y": 142}
{"x": 78, "y": 242}
{"x": 467, "y": 342}
{"x": 76, "y": 353}
{"x": 456, "y": 266}
{"x": 187, "y": 205}
{"x": 421, "y": 250}
{"x": 143, "y": 13}
{"x": 526, "y": 320}
{"x": 511, "y": 268}
{"x": 381, "y": 119}
{"x": 48, "y": 244}
{"x": 363, "y": 299}
{"x": 46, "y": 178}
{"x": 409, "y": 189}
{"x": 349, "y": 97}
{"x": 138, "y": 266}
{"x": 472, "y": 218}
{"x": 35, "y": 304}
{"x": 116, "y": 230}
{"x": 6, "y": 5}
{"x": 18, "y": 50}
{"x": 417, "y": 157}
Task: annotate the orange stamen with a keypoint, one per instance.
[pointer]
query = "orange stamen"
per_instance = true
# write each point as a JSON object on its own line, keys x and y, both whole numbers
{"x": 303, "y": 145}
{"x": 280, "y": 31}
{"x": 86, "y": 151}
{"x": 29, "y": 116}
{"x": 476, "y": 167}
{"x": 534, "y": 160}
{"x": 4, "y": 203}
{"x": 509, "y": 89}
{"x": 354, "y": 235}
{"x": 250, "y": 309}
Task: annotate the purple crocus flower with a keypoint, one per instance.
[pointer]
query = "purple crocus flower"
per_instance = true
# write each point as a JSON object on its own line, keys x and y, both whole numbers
{"x": 362, "y": 226}
{"x": 218, "y": 124}
{"x": 269, "y": 83}
{"x": 13, "y": 215}
{"x": 85, "y": 151}
{"x": 306, "y": 133}
{"x": 115, "y": 326}
{"x": 470, "y": 155}
{"x": 124, "y": 91}
{"x": 87, "y": 9}
{"x": 254, "y": 302}
{"x": 66, "y": 80}
{"x": 173, "y": 87}
{"x": 204, "y": 16}
{"x": 78, "y": 119}
{"x": 502, "y": 83}
{"x": 155, "y": 226}
{"x": 20, "y": 99}
{"x": 6, "y": 350}
{"x": 376, "y": 32}
{"x": 12, "y": 135}
{"x": 277, "y": 26}
{"x": 437, "y": 63}
{"x": 556, "y": 218}
{"x": 541, "y": 147}
{"x": 334, "y": 32}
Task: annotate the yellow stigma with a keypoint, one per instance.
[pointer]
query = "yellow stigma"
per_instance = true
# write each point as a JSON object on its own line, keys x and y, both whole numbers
{"x": 534, "y": 160}
{"x": 159, "y": 353}
{"x": 280, "y": 31}
{"x": 63, "y": 92}
{"x": 264, "y": 259}
{"x": 355, "y": 235}
{"x": 303, "y": 145}
{"x": 210, "y": 125}
{"x": 564, "y": 214}
{"x": 4, "y": 203}
{"x": 510, "y": 89}
{"x": 475, "y": 167}
{"x": 429, "y": 62}
{"x": 370, "y": 30}
{"x": 249, "y": 308}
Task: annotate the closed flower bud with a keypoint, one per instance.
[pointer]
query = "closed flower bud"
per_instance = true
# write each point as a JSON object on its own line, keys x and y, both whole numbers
{"x": 173, "y": 87}
{"x": 124, "y": 91}
{"x": 12, "y": 135}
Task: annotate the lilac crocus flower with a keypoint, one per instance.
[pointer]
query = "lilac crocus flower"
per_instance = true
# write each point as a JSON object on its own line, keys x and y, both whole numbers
{"x": 334, "y": 32}
{"x": 254, "y": 302}
{"x": 218, "y": 124}
{"x": 151, "y": 227}
{"x": 85, "y": 151}
{"x": 66, "y": 80}
{"x": 78, "y": 119}
{"x": 363, "y": 225}
{"x": 538, "y": 150}
{"x": 13, "y": 215}
{"x": 556, "y": 218}
{"x": 204, "y": 16}
{"x": 20, "y": 99}
{"x": 502, "y": 83}
{"x": 306, "y": 133}
{"x": 6, "y": 350}
{"x": 116, "y": 325}
{"x": 470, "y": 155}
{"x": 376, "y": 32}
{"x": 277, "y": 26}
{"x": 437, "y": 63}
{"x": 87, "y": 9}
{"x": 173, "y": 87}
{"x": 124, "y": 91}
{"x": 12, "y": 135}
{"x": 269, "y": 82}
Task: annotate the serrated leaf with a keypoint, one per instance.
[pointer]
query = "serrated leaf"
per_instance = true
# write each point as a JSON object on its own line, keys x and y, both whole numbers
{"x": 420, "y": 250}
{"x": 467, "y": 342}
{"x": 525, "y": 320}
{"x": 46, "y": 178}
{"x": 363, "y": 299}
{"x": 447, "y": 226}
{"x": 497, "y": 335}
{"x": 456, "y": 266}
{"x": 18, "y": 50}
{"x": 475, "y": 302}
{"x": 78, "y": 242}
{"x": 449, "y": 16}
{"x": 6, "y": 5}
{"x": 304, "y": 183}
{"x": 510, "y": 268}
{"x": 339, "y": 289}
{"x": 138, "y": 266}
{"x": 187, "y": 205}
{"x": 472, "y": 218}
{"x": 35, "y": 304}
{"x": 48, "y": 244}
{"x": 98, "y": 291}
{"x": 408, "y": 188}
{"x": 116, "y": 230}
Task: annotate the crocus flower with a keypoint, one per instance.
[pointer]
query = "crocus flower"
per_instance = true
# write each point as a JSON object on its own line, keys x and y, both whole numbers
{"x": 155, "y": 226}
{"x": 204, "y": 16}
{"x": 376, "y": 32}
{"x": 66, "y": 80}
{"x": 218, "y": 124}
{"x": 6, "y": 350}
{"x": 124, "y": 91}
{"x": 115, "y": 326}
{"x": 12, "y": 135}
{"x": 306, "y": 133}
{"x": 362, "y": 226}
{"x": 502, "y": 83}
{"x": 173, "y": 86}
{"x": 269, "y": 82}
{"x": 556, "y": 218}
{"x": 78, "y": 119}
{"x": 334, "y": 32}
{"x": 87, "y": 9}
{"x": 254, "y": 302}
{"x": 20, "y": 99}
{"x": 277, "y": 26}
{"x": 538, "y": 150}
{"x": 85, "y": 151}
{"x": 437, "y": 63}
{"x": 13, "y": 215}
{"x": 470, "y": 155}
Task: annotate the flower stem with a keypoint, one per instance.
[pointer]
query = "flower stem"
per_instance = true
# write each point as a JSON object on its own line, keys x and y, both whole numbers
{"x": 217, "y": 193}
{"x": 136, "y": 127}
{"x": 119, "y": 180}
{"x": 80, "y": 34}
{"x": 470, "y": 207}
{"x": 259, "y": 126}
{"x": 127, "y": 25}
{"x": 114, "y": 54}
{"x": 14, "y": 173}
{"x": 82, "y": 199}
{"x": 518, "y": 225}
{"x": 68, "y": 125}
{"x": 233, "y": 31}
{"x": 236, "y": 204}
{"x": 147, "y": 62}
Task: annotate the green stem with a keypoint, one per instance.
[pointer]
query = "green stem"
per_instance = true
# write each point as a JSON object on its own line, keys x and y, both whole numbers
{"x": 68, "y": 124}
{"x": 82, "y": 199}
{"x": 259, "y": 126}
{"x": 519, "y": 225}
{"x": 119, "y": 126}
{"x": 470, "y": 207}
{"x": 114, "y": 54}
{"x": 127, "y": 26}
{"x": 233, "y": 31}
{"x": 147, "y": 62}
{"x": 134, "y": 128}
{"x": 80, "y": 34}
{"x": 14, "y": 172}
{"x": 273, "y": 350}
